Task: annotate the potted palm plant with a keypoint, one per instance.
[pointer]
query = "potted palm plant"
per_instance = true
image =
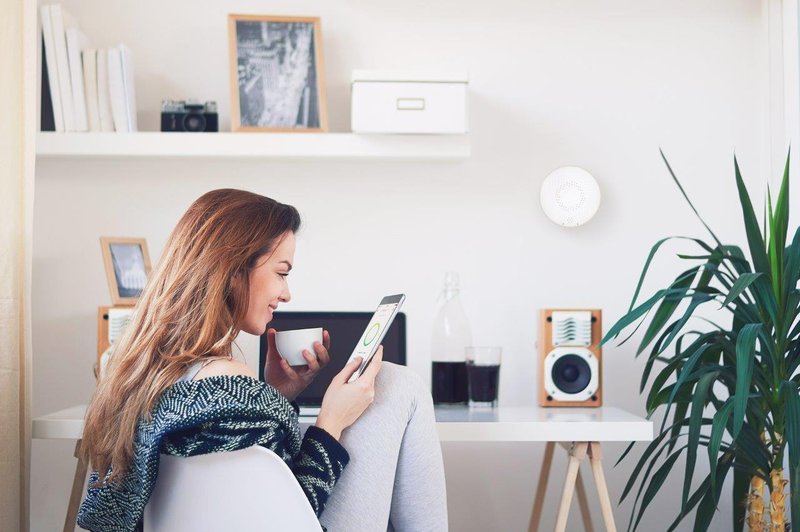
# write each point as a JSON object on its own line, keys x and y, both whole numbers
{"x": 729, "y": 386}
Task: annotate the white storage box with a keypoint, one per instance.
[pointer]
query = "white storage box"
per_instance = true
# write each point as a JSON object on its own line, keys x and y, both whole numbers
{"x": 401, "y": 102}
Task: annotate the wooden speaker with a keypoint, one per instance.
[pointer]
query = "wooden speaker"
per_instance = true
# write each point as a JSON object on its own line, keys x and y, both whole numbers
{"x": 111, "y": 321}
{"x": 570, "y": 359}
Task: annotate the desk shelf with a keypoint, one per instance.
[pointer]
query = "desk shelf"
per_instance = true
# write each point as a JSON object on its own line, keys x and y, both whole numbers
{"x": 279, "y": 146}
{"x": 534, "y": 423}
{"x": 461, "y": 423}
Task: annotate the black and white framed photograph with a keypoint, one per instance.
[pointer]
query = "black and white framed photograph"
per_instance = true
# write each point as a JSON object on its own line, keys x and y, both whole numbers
{"x": 127, "y": 264}
{"x": 277, "y": 81}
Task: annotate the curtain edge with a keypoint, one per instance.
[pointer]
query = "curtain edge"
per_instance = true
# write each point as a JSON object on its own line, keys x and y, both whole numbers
{"x": 28, "y": 135}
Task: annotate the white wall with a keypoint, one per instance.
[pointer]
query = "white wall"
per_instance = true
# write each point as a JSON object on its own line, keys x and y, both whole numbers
{"x": 601, "y": 85}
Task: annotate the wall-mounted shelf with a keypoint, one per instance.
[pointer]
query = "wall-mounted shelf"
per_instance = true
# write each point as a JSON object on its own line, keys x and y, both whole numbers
{"x": 291, "y": 146}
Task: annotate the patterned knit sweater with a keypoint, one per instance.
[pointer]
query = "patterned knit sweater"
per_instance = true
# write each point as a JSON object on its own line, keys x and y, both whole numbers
{"x": 215, "y": 414}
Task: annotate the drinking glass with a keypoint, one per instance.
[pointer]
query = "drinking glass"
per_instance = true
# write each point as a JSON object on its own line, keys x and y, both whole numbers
{"x": 483, "y": 374}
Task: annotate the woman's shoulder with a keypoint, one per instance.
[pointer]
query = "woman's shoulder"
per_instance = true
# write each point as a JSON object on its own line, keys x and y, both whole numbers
{"x": 221, "y": 383}
{"x": 225, "y": 366}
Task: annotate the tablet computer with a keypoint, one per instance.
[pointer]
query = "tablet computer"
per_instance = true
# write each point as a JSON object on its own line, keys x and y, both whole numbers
{"x": 376, "y": 329}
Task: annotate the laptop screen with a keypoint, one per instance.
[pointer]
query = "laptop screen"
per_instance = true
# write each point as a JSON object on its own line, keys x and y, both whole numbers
{"x": 345, "y": 329}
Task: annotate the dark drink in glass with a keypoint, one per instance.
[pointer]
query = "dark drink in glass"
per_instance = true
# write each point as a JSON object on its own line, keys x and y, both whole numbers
{"x": 449, "y": 382}
{"x": 483, "y": 374}
{"x": 483, "y": 384}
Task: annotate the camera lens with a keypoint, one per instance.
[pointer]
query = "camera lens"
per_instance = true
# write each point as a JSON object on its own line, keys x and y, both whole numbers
{"x": 194, "y": 122}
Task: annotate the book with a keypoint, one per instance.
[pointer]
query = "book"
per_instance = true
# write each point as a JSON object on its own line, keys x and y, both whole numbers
{"x": 103, "y": 93}
{"x": 89, "y": 56}
{"x": 121, "y": 88}
{"x": 47, "y": 118}
{"x": 116, "y": 90}
{"x": 126, "y": 57}
{"x": 49, "y": 63}
{"x": 57, "y": 18}
{"x": 76, "y": 41}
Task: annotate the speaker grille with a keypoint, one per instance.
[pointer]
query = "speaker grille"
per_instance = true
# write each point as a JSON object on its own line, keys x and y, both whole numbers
{"x": 572, "y": 328}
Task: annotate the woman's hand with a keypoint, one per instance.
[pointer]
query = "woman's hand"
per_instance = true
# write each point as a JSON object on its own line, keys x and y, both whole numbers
{"x": 288, "y": 380}
{"x": 344, "y": 402}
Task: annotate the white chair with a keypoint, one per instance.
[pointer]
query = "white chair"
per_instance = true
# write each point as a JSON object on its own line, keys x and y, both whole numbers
{"x": 246, "y": 490}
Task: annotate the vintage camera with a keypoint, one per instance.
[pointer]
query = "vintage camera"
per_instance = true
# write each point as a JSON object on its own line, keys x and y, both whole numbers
{"x": 190, "y": 116}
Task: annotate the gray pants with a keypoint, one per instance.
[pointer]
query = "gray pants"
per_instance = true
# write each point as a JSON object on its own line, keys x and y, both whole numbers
{"x": 395, "y": 478}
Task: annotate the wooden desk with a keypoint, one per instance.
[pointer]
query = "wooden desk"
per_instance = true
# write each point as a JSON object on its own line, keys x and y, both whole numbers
{"x": 579, "y": 430}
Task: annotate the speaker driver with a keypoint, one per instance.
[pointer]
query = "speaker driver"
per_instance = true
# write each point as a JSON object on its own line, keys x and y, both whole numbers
{"x": 571, "y": 374}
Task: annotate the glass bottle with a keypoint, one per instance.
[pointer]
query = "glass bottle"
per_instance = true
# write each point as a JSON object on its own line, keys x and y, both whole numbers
{"x": 451, "y": 335}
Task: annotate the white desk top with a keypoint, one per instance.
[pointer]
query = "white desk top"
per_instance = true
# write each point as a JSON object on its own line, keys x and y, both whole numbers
{"x": 534, "y": 423}
{"x": 460, "y": 423}
{"x": 65, "y": 424}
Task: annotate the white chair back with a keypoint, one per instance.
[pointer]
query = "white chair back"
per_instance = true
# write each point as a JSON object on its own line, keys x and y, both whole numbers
{"x": 247, "y": 490}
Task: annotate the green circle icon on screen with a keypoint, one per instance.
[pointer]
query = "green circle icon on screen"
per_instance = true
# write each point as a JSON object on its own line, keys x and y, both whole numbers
{"x": 372, "y": 333}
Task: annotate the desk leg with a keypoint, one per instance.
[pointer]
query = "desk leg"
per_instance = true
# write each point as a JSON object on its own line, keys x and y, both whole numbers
{"x": 583, "y": 502}
{"x": 595, "y": 457}
{"x": 77, "y": 490}
{"x": 544, "y": 475}
{"x": 577, "y": 453}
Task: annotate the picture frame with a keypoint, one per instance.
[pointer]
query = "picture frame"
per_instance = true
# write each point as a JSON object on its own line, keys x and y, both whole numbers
{"x": 127, "y": 265}
{"x": 277, "y": 74}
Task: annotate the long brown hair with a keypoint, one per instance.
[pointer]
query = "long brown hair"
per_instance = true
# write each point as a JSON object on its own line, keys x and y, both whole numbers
{"x": 190, "y": 309}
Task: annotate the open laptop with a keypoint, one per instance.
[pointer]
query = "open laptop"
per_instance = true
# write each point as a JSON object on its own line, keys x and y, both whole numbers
{"x": 345, "y": 329}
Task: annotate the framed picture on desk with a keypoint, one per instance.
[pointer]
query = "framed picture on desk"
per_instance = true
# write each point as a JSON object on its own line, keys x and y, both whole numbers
{"x": 127, "y": 265}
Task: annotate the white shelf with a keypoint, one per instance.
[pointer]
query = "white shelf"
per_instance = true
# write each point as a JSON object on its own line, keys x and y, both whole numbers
{"x": 292, "y": 146}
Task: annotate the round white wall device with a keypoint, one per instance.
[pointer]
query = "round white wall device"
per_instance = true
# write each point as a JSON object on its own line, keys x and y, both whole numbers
{"x": 570, "y": 196}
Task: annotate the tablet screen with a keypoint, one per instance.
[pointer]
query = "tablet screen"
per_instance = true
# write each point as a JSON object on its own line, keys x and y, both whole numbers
{"x": 373, "y": 333}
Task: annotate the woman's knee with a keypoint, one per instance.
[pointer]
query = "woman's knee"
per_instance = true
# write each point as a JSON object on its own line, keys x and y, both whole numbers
{"x": 399, "y": 377}
{"x": 399, "y": 384}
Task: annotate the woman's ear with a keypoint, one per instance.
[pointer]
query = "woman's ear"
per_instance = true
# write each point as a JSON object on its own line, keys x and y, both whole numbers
{"x": 236, "y": 289}
{"x": 236, "y": 280}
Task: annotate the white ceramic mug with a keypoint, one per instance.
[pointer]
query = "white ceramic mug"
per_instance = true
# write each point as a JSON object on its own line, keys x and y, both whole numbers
{"x": 292, "y": 343}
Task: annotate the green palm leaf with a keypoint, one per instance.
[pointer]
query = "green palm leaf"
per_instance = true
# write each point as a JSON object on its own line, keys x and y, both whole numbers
{"x": 754, "y": 239}
{"x": 742, "y": 369}
{"x": 698, "y": 405}
{"x": 745, "y": 359}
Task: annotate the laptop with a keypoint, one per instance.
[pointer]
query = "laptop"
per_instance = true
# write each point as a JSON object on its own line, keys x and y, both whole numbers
{"x": 345, "y": 329}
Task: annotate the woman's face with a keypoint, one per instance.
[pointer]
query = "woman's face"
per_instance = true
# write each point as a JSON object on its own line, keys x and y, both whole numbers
{"x": 269, "y": 285}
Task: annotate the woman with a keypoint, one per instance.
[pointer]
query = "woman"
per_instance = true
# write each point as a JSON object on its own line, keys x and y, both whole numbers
{"x": 173, "y": 387}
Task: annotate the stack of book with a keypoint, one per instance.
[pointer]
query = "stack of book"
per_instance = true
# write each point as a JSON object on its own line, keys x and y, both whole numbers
{"x": 83, "y": 88}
